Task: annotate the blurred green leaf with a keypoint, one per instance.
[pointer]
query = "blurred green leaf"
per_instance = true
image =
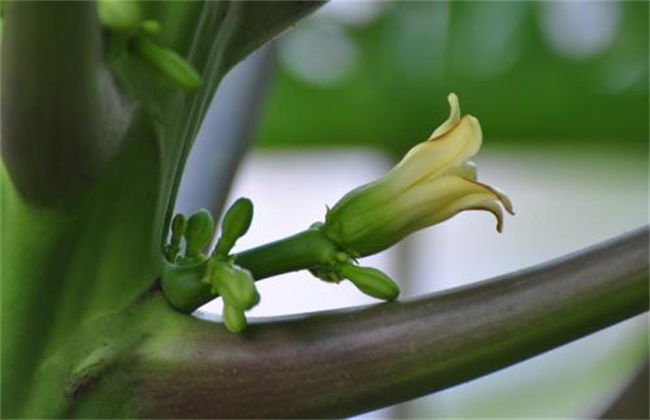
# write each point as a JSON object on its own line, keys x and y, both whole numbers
{"x": 494, "y": 55}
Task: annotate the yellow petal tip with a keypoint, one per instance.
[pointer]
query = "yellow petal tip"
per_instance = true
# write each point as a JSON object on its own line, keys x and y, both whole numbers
{"x": 452, "y": 121}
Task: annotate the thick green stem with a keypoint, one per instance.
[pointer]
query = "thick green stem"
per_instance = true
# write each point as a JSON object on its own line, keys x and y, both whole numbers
{"x": 59, "y": 101}
{"x": 88, "y": 173}
{"x": 340, "y": 364}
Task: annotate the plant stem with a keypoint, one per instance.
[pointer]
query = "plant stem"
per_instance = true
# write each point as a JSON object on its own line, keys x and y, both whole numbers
{"x": 347, "y": 362}
{"x": 301, "y": 251}
{"x": 184, "y": 287}
{"x": 63, "y": 118}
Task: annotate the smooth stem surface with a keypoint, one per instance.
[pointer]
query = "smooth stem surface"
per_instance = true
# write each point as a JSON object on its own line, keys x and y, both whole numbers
{"x": 186, "y": 291}
{"x": 301, "y": 251}
{"x": 59, "y": 101}
{"x": 342, "y": 363}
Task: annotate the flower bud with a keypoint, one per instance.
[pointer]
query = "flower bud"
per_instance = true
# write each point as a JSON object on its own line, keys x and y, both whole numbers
{"x": 235, "y": 284}
{"x": 151, "y": 27}
{"x": 370, "y": 281}
{"x": 433, "y": 182}
{"x": 178, "y": 229}
{"x": 119, "y": 15}
{"x": 198, "y": 232}
{"x": 235, "y": 225}
{"x": 234, "y": 318}
{"x": 168, "y": 63}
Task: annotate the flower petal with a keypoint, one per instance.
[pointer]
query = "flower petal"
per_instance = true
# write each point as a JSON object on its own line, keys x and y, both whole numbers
{"x": 452, "y": 121}
{"x": 467, "y": 170}
{"x": 431, "y": 158}
{"x": 443, "y": 197}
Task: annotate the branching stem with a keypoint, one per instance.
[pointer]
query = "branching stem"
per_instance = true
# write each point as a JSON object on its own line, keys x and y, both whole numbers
{"x": 348, "y": 362}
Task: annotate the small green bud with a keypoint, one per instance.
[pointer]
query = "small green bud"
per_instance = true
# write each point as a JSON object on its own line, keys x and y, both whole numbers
{"x": 171, "y": 65}
{"x": 370, "y": 281}
{"x": 240, "y": 289}
{"x": 198, "y": 232}
{"x": 234, "y": 318}
{"x": 151, "y": 27}
{"x": 119, "y": 15}
{"x": 235, "y": 225}
{"x": 235, "y": 284}
{"x": 178, "y": 229}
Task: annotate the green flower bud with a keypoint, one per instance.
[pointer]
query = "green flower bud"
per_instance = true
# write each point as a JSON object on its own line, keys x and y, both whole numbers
{"x": 370, "y": 281}
{"x": 198, "y": 232}
{"x": 241, "y": 290}
{"x": 235, "y": 225}
{"x": 151, "y": 27}
{"x": 235, "y": 284}
{"x": 234, "y": 318}
{"x": 168, "y": 63}
{"x": 119, "y": 15}
{"x": 178, "y": 229}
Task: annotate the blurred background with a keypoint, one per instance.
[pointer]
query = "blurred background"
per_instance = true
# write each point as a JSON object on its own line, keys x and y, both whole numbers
{"x": 561, "y": 90}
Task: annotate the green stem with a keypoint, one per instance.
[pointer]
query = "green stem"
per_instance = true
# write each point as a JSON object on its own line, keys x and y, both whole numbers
{"x": 343, "y": 363}
{"x": 185, "y": 290}
{"x": 302, "y": 251}
{"x": 66, "y": 117}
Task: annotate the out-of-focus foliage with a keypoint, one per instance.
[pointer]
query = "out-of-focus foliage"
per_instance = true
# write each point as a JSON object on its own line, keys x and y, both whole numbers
{"x": 536, "y": 73}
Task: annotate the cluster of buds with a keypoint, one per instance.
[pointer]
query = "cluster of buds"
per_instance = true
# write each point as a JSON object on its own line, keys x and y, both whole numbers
{"x": 219, "y": 275}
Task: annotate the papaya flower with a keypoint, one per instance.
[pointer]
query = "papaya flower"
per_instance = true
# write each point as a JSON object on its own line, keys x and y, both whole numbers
{"x": 434, "y": 181}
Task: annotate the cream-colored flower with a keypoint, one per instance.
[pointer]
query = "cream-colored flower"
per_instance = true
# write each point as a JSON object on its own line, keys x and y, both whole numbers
{"x": 434, "y": 181}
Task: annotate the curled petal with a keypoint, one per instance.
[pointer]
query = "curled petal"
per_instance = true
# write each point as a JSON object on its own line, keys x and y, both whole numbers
{"x": 494, "y": 208}
{"x": 446, "y": 196}
{"x": 503, "y": 199}
{"x": 452, "y": 121}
